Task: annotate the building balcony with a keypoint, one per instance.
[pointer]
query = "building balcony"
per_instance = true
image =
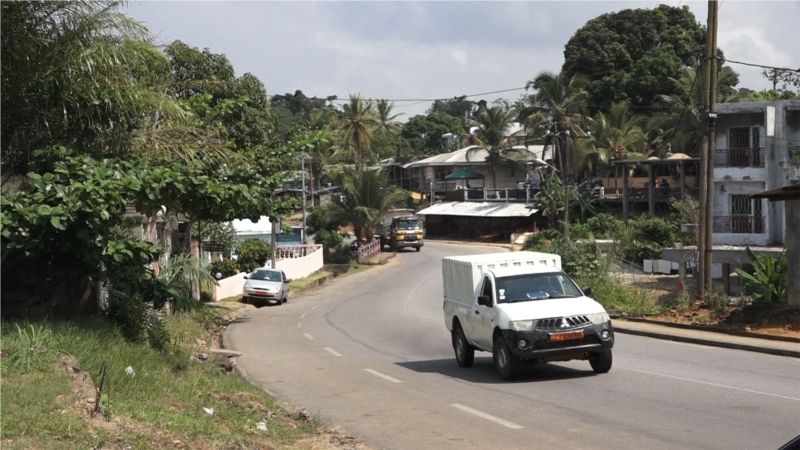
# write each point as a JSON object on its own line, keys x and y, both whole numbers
{"x": 739, "y": 157}
{"x": 740, "y": 224}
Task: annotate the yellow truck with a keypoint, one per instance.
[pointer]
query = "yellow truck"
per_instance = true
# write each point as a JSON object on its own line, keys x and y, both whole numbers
{"x": 400, "y": 228}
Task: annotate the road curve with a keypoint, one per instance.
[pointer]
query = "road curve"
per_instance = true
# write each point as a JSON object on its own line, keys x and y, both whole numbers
{"x": 370, "y": 353}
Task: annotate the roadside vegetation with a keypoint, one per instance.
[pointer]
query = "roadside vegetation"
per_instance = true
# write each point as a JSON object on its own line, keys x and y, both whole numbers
{"x": 162, "y": 401}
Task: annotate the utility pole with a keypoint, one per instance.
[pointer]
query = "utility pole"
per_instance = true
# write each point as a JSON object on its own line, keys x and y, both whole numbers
{"x": 273, "y": 242}
{"x": 566, "y": 185}
{"x": 303, "y": 177}
{"x": 705, "y": 235}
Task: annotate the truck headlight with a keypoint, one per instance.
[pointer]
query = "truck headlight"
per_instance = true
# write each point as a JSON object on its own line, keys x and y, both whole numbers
{"x": 520, "y": 325}
{"x": 598, "y": 318}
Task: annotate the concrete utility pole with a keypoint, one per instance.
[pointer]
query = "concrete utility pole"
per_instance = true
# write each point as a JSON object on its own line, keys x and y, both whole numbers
{"x": 705, "y": 284}
{"x": 567, "y": 178}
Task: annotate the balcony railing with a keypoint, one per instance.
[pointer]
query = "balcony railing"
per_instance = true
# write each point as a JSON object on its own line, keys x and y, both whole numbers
{"x": 739, "y": 224}
{"x": 739, "y": 157}
{"x": 643, "y": 193}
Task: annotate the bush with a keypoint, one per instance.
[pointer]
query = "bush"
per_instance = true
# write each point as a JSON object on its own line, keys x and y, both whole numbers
{"x": 645, "y": 237}
{"x": 329, "y": 239}
{"x": 605, "y": 226}
{"x": 227, "y": 268}
{"x": 252, "y": 254}
{"x": 342, "y": 255}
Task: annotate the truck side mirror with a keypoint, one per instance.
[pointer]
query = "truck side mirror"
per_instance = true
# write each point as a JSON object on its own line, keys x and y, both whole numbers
{"x": 587, "y": 291}
{"x": 484, "y": 300}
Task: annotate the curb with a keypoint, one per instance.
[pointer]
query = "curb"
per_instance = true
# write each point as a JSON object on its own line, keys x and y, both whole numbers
{"x": 708, "y": 342}
{"x": 719, "y": 330}
{"x": 485, "y": 244}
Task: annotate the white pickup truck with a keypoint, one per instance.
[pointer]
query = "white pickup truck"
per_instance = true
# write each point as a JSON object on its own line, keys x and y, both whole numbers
{"x": 521, "y": 307}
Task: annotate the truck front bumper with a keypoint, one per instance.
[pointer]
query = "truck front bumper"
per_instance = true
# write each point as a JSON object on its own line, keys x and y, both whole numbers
{"x": 404, "y": 244}
{"x": 540, "y": 345}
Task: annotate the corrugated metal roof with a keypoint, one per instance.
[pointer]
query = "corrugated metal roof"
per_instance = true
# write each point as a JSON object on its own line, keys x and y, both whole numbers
{"x": 478, "y": 209}
{"x": 476, "y": 158}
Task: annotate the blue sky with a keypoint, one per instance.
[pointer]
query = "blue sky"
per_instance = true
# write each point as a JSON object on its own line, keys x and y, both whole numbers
{"x": 409, "y": 50}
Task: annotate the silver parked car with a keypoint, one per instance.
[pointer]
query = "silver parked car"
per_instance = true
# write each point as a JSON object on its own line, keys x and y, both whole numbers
{"x": 266, "y": 284}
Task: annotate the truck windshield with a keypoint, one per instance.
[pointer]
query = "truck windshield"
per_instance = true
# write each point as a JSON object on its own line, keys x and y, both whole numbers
{"x": 407, "y": 224}
{"x": 539, "y": 286}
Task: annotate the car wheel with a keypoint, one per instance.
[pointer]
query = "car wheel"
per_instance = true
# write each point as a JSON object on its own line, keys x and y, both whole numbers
{"x": 601, "y": 363}
{"x": 465, "y": 352}
{"x": 506, "y": 362}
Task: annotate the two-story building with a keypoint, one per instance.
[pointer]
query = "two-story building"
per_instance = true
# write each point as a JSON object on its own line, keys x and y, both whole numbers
{"x": 752, "y": 149}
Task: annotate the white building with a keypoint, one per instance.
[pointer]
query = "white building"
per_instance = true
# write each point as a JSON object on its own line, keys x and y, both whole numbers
{"x": 752, "y": 144}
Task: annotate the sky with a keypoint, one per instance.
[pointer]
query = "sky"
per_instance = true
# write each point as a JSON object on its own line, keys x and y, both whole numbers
{"x": 428, "y": 50}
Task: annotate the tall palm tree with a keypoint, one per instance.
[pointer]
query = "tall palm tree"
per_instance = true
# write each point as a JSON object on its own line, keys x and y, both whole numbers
{"x": 355, "y": 129}
{"x": 559, "y": 100}
{"x": 367, "y": 195}
{"x": 388, "y": 121}
{"x": 491, "y": 136}
{"x": 617, "y": 134}
{"x": 683, "y": 127}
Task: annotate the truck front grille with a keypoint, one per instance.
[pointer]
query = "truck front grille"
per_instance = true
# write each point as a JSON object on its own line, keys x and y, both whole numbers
{"x": 561, "y": 323}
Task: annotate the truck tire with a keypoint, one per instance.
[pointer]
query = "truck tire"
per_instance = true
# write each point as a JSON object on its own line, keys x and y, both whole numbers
{"x": 465, "y": 352}
{"x": 417, "y": 248}
{"x": 601, "y": 363}
{"x": 506, "y": 362}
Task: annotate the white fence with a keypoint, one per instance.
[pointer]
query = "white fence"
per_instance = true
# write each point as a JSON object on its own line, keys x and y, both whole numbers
{"x": 293, "y": 265}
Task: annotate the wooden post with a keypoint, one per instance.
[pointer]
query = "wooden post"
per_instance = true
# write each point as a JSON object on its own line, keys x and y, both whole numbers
{"x": 625, "y": 192}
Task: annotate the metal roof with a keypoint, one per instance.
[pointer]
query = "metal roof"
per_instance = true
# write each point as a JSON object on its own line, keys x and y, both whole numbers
{"x": 476, "y": 158}
{"x": 790, "y": 192}
{"x": 478, "y": 209}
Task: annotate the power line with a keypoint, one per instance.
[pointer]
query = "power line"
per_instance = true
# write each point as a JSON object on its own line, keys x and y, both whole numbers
{"x": 762, "y": 66}
{"x": 424, "y": 100}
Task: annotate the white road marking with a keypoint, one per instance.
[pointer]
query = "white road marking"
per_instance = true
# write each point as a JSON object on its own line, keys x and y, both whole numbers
{"x": 308, "y": 336}
{"x": 302, "y": 315}
{"x": 385, "y": 377}
{"x": 488, "y": 417}
{"x": 338, "y": 293}
{"x": 314, "y": 307}
{"x": 326, "y": 301}
{"x": 299, "y": 325}
{"x": 332, "y": 351}
{"x": 708, "y": 383}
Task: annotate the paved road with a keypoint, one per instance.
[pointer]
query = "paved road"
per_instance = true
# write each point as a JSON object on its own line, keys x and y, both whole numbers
{"x": 371, "y": 354}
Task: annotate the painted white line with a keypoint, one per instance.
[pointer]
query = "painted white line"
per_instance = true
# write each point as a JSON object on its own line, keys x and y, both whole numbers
{"x": 707, "y": 383}
{"x": 362, "y": 280}
{"x": 326, "y": 300}
{"x": 299, "y": 325}
{"x": 385, "y": 377}
{"x": 314, "y": 307}
{"x": 332, "y": 351}
{"x": 308, "y": 336}
{"x": 488, "y": 417}
{"x": 339, "y": 293}
{"x": 302, "y": 315}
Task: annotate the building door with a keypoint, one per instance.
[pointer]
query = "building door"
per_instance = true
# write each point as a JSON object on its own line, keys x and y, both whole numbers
{"x": 738, "y": 146}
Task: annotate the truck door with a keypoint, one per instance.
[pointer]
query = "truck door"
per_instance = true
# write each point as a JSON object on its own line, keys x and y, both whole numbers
{"x": 483, "y": 317}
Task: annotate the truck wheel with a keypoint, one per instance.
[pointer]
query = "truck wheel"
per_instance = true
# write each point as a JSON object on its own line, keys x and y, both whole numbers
{"x": 601, "y": 363}
{"x": 465, "y": 353}
{"x": 417, "y": 248}
{"x": 506, "y": 363}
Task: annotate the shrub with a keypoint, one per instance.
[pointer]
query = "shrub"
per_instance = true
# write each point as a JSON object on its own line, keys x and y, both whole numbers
{"x": 252, "y": 254}
{"x": 605, "y": 226}
{"x": 770, "y": 283}
{"x": 227, "y": 268}
{"x": 329, "y": 239}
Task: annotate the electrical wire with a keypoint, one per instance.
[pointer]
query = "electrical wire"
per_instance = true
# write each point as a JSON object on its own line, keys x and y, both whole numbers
{"x": 762, "y": 66}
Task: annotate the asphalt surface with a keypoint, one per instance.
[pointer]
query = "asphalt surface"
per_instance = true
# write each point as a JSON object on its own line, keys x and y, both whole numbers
{"x": 371, "y": 353}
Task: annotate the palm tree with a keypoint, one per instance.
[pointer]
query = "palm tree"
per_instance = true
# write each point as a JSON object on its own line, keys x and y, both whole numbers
{"x": 616, "y": 135}
{"x": 491, "y": 136}
{"x": 684, "y": 126}
{"x": 367, "y": 195}
{"x": 355, "y": 128}
{"x": 387, "y": 121}
{"x": 559, "y": 100}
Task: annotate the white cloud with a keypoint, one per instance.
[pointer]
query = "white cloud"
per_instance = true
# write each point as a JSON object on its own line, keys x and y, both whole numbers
{"x": 433, "y": 49}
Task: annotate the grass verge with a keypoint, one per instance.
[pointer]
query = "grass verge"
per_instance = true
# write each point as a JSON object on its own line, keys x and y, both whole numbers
{"x": 161, "y": 404}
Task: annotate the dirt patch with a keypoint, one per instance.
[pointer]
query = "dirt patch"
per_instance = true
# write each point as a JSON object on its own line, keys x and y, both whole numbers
{"x": 777, "y": 319}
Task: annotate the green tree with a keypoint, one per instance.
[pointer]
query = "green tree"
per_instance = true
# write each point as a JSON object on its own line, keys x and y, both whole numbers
{"x": 558, "y": 100}
{"x": 617, "y": 135}
{"x": 387, "y": 119}
{"x": 630, "y": 55}
{"x": 355, "y": 129}
{"x": 423, "y": 134}
{"x": 252, "y": 254}
{"x": 491, "y": 136}
{"x": 367, "y": 196}
{"x": 457, "y": 107}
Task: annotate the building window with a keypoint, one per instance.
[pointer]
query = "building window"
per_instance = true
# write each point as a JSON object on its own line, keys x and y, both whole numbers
{"x": 747, "y": 215}
{"x": 743, "y": 147}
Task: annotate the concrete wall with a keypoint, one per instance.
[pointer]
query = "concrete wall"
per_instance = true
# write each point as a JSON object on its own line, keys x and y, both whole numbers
{"x": 294, "y": 268}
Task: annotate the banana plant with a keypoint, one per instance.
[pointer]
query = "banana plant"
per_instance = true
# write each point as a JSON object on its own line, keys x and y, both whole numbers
{"x": 770, "y": 282}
